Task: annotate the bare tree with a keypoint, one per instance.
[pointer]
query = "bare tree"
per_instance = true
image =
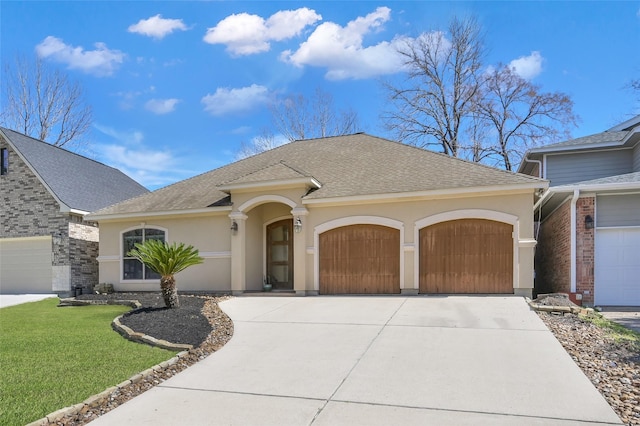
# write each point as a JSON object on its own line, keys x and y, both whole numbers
{"x": 264, "y": 142}
{"x": 43, "y": 103}
{"x": 441, "y": 89}
{"x": 452, "y": 101}
{"x": 297, "y": 117}
{"x": 521, "y": 116}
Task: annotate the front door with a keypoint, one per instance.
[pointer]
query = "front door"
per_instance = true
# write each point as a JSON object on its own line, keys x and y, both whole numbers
{"x": 280, "y": 254}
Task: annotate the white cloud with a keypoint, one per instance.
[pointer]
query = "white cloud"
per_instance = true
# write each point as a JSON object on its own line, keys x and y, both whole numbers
{"x": 161, "y": 106}
{"x": 100, "y": 62}
{"x": 132, "y": 137}
{"x": 341, "y": 50}
{"x": 157, "y": 27}
{"x": 126, "y": 151}
{"x": 528, "y": 67}
{"x": 246, "y": 34}
{"x": 225, "y": 100}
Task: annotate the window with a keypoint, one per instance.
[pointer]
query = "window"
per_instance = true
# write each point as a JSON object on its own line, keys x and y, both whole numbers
{"x": 4, "y": 161}
{"x": 133, "y": 269}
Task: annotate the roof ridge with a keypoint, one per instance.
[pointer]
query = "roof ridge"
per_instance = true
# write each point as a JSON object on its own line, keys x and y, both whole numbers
{"x": 423, "y": 150}
{"x": 66, "y": 151}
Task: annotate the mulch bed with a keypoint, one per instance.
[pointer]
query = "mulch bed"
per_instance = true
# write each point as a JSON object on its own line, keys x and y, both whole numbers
{"x": 185, "y": 324}
{"x": 187, "y": 320}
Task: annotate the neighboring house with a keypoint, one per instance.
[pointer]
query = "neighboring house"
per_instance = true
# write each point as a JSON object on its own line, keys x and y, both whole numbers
{"x": 46, "y": 245}
{"x": 589, "y": 238}
{"x": 349, "y": 214}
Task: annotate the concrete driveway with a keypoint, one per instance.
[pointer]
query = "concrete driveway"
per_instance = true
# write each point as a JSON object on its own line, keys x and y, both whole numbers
{"x": 18, "y": 299}
{"x": 377, "y": 361}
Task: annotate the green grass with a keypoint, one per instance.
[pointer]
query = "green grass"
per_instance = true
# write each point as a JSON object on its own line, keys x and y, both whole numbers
{"x": 618, "y": 332}
{"x": 51, "y": 357}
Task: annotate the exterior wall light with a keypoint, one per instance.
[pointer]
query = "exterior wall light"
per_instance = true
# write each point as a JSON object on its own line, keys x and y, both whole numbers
{"x": 234, "y": 227}
{"x": 297, "y": 225}
{"x": 588, "y": 222}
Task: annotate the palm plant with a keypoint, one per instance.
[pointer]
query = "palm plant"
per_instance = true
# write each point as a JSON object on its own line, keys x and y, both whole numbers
{"x": 166, "y": 260}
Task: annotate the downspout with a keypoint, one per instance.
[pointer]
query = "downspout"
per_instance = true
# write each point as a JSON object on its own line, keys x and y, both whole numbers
{"x": 574, "y": 200}
{"x": 538, "y": 162}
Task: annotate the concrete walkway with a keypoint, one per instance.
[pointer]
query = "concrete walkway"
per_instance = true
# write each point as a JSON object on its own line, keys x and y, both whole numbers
{"x": 377, "y": 361}
{"x": 18, "y": 299}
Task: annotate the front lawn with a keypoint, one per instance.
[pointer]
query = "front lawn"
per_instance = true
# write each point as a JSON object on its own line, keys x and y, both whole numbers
{"x": 52, "y": 357}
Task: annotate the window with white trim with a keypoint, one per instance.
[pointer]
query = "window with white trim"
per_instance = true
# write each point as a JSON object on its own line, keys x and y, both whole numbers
{"x": 132, "y": 268}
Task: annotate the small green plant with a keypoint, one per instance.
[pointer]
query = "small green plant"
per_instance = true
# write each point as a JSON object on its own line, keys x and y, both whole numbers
{"x": 167, "y": 260}
{"x": 618, "y": 332}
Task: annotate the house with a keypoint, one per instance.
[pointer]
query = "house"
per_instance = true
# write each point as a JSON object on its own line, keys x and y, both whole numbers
{"x": 589, "y": 234}
{"x": 46, "y": 244}
{"x": 348, "y": 214}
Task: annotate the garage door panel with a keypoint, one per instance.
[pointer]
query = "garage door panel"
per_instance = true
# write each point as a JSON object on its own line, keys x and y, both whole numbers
{"x": 466, "y": 256}
{"x": 25, "y": 265}
{"x": 360, "y": 259}
{"x": 617, "y": 267}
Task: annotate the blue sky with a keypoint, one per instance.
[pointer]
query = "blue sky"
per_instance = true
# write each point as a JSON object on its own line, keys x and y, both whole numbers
{"x": 176, "y": 87}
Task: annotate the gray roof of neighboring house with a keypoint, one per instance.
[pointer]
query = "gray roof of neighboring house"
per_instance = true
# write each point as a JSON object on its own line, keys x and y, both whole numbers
{"x": 625, "y": 178}
{"x": 626, "y": 134}
{"x": 352, "y": 165}
{"x": 78, "y": 182}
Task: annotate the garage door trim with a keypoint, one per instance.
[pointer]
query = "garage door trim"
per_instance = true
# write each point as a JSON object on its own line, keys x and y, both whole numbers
{"x": 466, "y": 214}
{"x": 355, "y": 220}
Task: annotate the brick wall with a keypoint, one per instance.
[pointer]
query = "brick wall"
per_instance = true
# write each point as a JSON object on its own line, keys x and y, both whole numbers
{"x": 553, "y": 252}
{"x": 28, "y": 210}
{"x": 585, "y": 246}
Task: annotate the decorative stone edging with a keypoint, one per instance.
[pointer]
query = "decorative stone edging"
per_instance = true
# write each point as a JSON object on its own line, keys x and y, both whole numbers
{"x": 75, "y": 302}
{"x": 134, "y": 336}
{"x": 97, "y": 399}
{"x": 122, "y": 329}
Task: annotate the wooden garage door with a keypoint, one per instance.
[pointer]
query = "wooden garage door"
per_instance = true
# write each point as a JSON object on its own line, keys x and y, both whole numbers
{"x": 466, "y": 256}
{"x": 25, "y": 265}
{"x": 360, "y": 259}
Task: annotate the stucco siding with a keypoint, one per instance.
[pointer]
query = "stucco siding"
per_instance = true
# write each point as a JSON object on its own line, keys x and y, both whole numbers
{"x": 562, "y": 169}
{"x": 618, "y": 210}
{"x": 212, "y": 236}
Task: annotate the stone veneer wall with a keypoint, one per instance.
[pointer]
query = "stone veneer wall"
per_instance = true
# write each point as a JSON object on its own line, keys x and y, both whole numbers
{"x": 29, "y": 210}
{"x": 83, "y": 249}
{"x": 585, "y": 246}
{"x": 553, "y": 252}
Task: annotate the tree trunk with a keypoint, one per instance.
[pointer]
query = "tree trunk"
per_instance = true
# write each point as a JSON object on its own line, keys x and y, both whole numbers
{"x": 169, "y": 291}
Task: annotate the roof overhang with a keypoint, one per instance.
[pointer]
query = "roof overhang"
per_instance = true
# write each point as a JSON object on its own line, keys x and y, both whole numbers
{"x": 476, "y": 191}
{"x": 118, "y": 217}
{"x": 556, "y": 195}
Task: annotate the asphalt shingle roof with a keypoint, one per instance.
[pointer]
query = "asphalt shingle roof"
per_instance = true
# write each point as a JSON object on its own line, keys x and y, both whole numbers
{"x": 624, "y": 178}
{"x": 79, "y": 182}
{"x": 352, "y": 165}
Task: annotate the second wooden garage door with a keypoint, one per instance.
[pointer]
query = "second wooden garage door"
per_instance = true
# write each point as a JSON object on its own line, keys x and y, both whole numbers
{"x": 466, "y": 256}
{"x": 360, "y": 259}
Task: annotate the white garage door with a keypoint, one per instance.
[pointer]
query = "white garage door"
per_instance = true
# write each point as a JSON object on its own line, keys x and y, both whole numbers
{"x": 617, "y": 267}
{"x": 25, "y": 265}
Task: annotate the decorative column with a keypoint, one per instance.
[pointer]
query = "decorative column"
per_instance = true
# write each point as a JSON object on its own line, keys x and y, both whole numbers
{"x": 300, "y": 250}
{"x": 238, "y": 252}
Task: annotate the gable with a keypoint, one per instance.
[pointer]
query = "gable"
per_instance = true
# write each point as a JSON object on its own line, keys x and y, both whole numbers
{"x": 79, "y": 183}
{"x": 26, "y": 202}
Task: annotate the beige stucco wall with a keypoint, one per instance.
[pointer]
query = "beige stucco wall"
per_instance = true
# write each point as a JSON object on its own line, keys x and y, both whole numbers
{"x": 212, "y": 236}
